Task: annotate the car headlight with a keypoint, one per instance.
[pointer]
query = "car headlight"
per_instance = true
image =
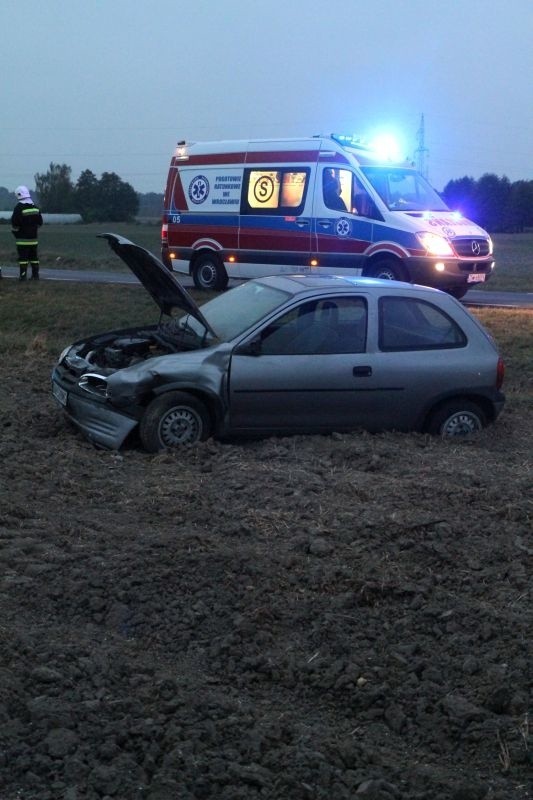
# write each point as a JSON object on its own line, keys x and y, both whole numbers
{"x": 434, "y": 244}
{"x": 64, "y": 353}
{"x": 93, "y": 383}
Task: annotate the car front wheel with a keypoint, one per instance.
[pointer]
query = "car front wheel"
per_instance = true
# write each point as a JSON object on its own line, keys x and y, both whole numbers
{"x": 172, "y": 420}
{"x": 457, "y": 418}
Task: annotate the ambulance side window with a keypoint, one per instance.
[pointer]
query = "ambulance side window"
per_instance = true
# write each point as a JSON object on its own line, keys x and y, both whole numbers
{"x": 343, "y": 191}
{"x": 337, "y": 189}
{"x": 274, "y": 191}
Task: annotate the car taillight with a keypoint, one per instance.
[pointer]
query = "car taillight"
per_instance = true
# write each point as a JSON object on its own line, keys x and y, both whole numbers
{"x": 164, "y": 234}
{"x": 500, "y": 373}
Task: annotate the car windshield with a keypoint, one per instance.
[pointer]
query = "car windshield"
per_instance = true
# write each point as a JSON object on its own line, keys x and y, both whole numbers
{"x": 233, "y": 312}
{"x": 403, "y": 189}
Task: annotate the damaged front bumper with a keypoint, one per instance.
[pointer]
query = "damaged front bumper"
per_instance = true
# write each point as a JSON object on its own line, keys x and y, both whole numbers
{"x": 101, "y": 424}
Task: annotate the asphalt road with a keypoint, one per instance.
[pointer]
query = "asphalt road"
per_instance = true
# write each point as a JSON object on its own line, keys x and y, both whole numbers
{"x": 472, "y": 298}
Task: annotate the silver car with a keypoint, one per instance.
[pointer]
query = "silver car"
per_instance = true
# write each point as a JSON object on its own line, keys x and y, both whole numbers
{"x": 281, "y": 355}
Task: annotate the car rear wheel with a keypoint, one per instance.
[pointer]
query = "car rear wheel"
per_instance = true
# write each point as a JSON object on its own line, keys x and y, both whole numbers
{"x": 457, "y": 418}
{"x": 209, "y": 273}
{"x": 172, "y": 420}
{"x": 387, "y": 269}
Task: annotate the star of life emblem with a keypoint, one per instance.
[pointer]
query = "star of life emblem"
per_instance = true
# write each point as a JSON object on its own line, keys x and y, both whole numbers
{"x": 343, "y": 227}
{"x": 199, "y": 189}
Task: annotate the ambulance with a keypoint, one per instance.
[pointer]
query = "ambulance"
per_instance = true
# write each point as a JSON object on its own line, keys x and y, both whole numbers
{"x": 323, "y": 204}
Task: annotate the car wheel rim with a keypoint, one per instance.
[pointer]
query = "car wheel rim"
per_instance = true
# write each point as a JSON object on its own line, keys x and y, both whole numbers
{"x": 461, "y": 424}
{"x": 208, "y": 275}
{"x": 386, "y": 275}
{"x": 180, "y": 426}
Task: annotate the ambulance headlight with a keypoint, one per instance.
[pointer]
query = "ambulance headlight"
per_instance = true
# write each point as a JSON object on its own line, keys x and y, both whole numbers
{"x": 434, "y": 244}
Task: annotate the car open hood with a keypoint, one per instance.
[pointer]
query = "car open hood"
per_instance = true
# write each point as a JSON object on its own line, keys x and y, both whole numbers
{"x": 165, "y": 289}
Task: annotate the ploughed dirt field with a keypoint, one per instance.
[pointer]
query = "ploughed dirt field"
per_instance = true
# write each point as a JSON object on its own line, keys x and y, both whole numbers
{"x": 322, "y": 618}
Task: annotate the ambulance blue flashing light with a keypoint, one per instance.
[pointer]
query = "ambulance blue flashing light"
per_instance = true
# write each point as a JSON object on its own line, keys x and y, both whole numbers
{"x": 351, "y": 141}
{"x": 383, "y": 147}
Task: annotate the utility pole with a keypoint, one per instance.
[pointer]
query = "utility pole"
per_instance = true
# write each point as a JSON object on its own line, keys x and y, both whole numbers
{"x": 421, "y": 152}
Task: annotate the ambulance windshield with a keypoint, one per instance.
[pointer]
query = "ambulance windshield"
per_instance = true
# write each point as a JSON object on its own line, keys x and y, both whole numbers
{"x": 404, "y": 189}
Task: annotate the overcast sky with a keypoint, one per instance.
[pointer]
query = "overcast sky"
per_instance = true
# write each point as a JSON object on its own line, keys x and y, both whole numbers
{"x": 112, "y": 85}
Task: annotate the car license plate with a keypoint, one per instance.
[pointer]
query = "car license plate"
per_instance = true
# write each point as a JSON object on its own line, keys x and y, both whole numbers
{"x": 476, "y": 277}
{"x": 59, "y": 394}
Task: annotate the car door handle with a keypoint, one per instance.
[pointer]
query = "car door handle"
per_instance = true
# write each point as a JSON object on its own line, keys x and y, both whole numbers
{"x": 362, "y": 372}
{"x": 302, "y": 223}
{"x": 324, "y": 223}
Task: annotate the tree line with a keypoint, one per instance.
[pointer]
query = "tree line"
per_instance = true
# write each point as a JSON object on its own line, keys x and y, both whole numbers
{"x": 494, "y": 203}
{"x": 104, "y": 199}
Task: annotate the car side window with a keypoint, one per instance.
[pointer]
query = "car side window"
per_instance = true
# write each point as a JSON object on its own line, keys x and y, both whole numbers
{"x": 407, "y": 323}
{"x": 329, "y": 325}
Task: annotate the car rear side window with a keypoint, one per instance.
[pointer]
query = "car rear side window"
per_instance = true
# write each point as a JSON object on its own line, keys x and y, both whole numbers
{"x": 406, "y": 323}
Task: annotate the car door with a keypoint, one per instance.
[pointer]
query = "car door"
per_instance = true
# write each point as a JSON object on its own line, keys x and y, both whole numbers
{"x": 306, "y": 371}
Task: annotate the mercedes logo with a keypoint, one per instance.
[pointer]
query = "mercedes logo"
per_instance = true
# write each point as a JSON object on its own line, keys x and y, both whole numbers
{"x": 476, "y": 248}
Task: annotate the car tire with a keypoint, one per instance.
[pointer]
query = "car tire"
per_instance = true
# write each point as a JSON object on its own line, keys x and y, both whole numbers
{"x": 387, "y": 269}
{"x": 209, "y": 273}
{"x": 457, "y": 418}
{"x": 174, "y": 419}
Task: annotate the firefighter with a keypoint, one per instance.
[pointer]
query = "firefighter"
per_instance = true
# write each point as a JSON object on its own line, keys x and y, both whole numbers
{"x": 25, "y": 222}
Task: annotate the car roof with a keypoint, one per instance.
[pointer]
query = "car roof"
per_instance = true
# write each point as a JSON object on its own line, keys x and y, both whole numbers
{"x": 296, "y": 284}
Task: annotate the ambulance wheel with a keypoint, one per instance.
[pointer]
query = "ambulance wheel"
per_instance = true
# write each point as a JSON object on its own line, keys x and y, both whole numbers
{"x": 458, "y": 291}
{"x": 208, "y": 273}
{"x": 387, "y": 269}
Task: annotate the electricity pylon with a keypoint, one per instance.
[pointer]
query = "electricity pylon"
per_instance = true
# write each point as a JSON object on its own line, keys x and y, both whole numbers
{"x": 421, "y": 152}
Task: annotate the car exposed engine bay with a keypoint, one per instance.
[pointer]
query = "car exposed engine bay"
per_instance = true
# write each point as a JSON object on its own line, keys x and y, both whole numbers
{"x": 126, "y": 348}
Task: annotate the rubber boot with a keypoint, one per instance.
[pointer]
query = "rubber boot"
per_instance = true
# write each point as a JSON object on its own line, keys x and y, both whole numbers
{"x": 23, "y": 271}
{"x": 35, "y": 272}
